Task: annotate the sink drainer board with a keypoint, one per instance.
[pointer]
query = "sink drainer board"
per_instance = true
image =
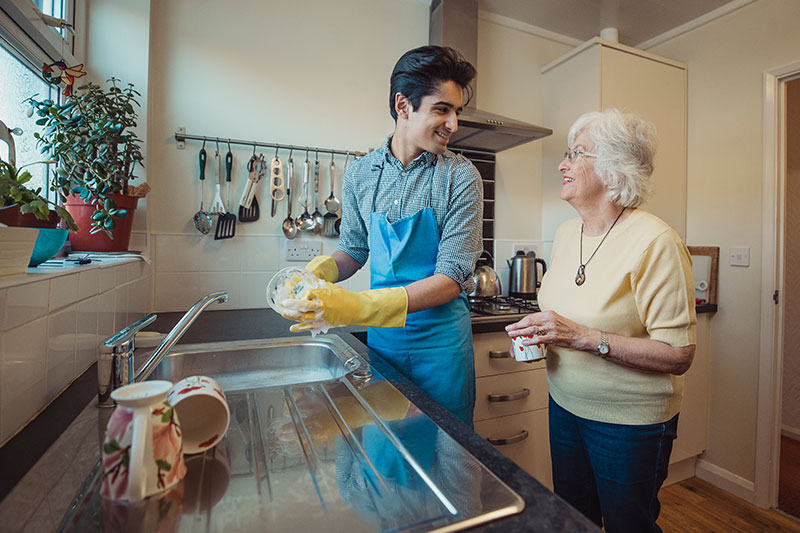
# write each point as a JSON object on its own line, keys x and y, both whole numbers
{"x": 318, "y": 441}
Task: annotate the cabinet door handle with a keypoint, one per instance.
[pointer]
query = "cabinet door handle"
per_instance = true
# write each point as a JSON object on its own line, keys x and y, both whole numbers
{"x": 510, "y": 397}
{"x": 500, "y": 441}
{"x": 499, "y": 354}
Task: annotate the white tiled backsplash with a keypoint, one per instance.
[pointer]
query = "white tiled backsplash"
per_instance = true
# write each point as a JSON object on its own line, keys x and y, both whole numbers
{"x": 190, "y": 266}
{"x": 50, "y": 329}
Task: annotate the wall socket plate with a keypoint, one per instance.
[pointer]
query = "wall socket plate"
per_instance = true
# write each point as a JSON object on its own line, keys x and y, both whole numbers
{"x": 739, "y": 257}
{"x": 302, "y": 251}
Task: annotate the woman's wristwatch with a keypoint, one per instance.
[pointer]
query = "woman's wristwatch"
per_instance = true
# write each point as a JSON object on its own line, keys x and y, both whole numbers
{"x": 603, "y": 348}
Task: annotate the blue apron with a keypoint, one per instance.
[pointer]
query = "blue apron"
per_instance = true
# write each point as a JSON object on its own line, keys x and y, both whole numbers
{"x": 434, "y": 349}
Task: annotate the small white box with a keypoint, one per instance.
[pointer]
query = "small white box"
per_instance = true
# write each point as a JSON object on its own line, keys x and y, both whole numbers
{"x": 16, "y": 247}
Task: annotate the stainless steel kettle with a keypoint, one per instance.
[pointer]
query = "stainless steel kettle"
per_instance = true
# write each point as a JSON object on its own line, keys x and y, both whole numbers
{"x": 487, "y": 282}
{"x": 523, "y": 276}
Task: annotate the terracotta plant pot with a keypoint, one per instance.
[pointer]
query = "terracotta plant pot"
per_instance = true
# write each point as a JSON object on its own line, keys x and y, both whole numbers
{"x": 84, "y": 241}
{"x": 11, "y": 216}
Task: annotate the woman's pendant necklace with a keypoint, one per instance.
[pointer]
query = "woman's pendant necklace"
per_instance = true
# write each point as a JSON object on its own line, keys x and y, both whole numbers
{"x": 580, "y": 277}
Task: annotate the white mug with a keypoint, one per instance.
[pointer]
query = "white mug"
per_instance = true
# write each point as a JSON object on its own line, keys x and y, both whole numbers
{"x": 203, "y": 410}
{"x": 525, "y": 353}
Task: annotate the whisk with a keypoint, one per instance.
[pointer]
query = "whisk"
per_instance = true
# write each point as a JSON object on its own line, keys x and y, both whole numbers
{"x": 217, "y": 207}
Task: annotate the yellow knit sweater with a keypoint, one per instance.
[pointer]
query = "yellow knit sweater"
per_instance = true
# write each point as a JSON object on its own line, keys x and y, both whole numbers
{"x": 639, "y": 284}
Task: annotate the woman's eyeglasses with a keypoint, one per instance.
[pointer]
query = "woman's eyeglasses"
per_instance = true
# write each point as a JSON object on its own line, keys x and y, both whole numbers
{"x": 572, "y": 155}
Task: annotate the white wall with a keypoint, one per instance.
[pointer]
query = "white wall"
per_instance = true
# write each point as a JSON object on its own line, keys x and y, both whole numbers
{"x": 727, "y": 59}
{"x": 312, "y": 73}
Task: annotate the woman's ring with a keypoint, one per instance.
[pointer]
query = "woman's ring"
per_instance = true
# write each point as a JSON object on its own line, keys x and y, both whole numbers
{"x": 540, "y": 331}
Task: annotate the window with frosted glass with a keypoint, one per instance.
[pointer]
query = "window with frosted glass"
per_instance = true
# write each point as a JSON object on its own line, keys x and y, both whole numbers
{"x": 18, "y": 82}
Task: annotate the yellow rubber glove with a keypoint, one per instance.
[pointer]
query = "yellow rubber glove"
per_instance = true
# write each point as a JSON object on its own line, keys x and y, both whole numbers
{"x": 382, "y": 308}
{"x": 324, "y": 267}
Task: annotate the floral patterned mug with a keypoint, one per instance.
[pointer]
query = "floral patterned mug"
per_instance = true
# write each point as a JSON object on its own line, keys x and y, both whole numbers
{"x": 142, "y": 450}
{"x": 204, "y": 412}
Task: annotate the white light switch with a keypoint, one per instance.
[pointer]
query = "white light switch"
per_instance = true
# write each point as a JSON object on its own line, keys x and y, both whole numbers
{"x": 740, "y": 257}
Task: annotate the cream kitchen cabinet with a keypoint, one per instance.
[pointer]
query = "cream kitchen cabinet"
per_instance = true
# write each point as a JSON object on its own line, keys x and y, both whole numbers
{"x": 600, "y": 74}
{"x": 511, "y": 404}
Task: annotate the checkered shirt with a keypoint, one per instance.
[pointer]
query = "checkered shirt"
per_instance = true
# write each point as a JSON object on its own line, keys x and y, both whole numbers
{"x": 448, "y": 182}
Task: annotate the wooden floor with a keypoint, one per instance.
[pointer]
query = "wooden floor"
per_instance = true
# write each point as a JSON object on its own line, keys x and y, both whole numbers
{"x": 695, "y": 505}
{"x": 789, "y": 481}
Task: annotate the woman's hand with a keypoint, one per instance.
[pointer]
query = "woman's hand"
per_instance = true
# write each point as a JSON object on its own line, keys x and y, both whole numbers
{"x": 548, "y": 327}
{"x": 649, "y": 355}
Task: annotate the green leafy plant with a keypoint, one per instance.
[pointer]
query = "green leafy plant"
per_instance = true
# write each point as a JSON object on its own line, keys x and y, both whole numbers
{"x": 90, "y": 135}
{"x": 14, "y": 191}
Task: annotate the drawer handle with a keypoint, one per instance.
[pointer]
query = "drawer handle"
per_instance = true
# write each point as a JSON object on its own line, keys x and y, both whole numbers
{"x": 499, "y": 354}
{"x": 500, "y": 441}
{"x": 524, "y": 393}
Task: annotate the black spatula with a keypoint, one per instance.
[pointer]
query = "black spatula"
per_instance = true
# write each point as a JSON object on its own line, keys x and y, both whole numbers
{"x": 226, "y": 222}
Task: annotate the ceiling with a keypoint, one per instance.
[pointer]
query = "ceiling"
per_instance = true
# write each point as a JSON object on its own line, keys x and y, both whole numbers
{"x": 638, "y": 21}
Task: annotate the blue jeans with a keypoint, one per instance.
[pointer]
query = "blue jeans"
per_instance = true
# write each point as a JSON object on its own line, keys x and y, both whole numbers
{"x": 610, "y": 472}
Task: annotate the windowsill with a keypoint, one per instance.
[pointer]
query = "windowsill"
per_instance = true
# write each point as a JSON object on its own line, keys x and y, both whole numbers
{"x": 42, "y": 273}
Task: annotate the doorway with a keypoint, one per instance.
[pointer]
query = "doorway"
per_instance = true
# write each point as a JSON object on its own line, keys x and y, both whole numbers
{"x": 789, "y": 469}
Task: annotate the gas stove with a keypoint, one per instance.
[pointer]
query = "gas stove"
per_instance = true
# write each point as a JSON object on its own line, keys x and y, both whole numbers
{"x": 502, "y": 306}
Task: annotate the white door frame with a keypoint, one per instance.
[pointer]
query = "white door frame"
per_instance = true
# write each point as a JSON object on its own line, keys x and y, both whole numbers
{"x": 770, "y": 375}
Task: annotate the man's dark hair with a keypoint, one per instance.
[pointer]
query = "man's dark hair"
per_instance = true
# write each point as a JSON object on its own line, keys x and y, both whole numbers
{"x": 420, "y": 71}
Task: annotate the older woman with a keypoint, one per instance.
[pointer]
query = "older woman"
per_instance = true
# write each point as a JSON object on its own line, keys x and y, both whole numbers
{"x": 618, "y": 320}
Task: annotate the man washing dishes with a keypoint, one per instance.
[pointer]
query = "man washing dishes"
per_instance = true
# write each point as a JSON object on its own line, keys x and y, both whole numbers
{"x": 416, "y": 209}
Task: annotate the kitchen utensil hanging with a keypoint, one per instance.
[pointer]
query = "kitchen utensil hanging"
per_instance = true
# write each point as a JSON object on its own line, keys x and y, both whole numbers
{"x": 332, "y": 204}
{"x": 276, "y": 186}
{"x": 226, "y": 222}
{"x": 202, "y": 220}
{"x": 317, "y": 215}
{"x": 289, "y": 227}
{"x": 248, "y": 205}
{"x": 305, "y": 222}
{"x": 217, "y": 207}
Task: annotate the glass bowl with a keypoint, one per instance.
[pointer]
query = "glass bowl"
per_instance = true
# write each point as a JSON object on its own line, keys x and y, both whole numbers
{"x": 289, "y": 283}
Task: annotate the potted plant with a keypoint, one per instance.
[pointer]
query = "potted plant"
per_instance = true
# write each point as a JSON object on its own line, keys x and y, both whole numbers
{"x": 90, "y": 136}
{"x": 24, "y": 207}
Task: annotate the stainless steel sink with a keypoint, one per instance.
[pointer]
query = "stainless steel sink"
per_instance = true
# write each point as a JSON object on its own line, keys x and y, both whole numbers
{"x": 318, "y": 441}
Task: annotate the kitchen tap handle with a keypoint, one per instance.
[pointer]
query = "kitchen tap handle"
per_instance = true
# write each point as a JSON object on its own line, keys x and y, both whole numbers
{"x": 126, "y": 336}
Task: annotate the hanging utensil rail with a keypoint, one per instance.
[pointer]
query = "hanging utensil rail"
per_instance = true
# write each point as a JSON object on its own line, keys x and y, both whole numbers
{"x": 182, "y": 137}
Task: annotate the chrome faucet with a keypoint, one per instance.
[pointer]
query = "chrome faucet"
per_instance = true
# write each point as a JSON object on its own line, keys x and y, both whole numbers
{"x": 115, "y": 361}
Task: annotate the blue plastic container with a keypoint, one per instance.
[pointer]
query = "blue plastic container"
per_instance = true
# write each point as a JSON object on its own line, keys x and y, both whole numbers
{"x": 48, "y": 244}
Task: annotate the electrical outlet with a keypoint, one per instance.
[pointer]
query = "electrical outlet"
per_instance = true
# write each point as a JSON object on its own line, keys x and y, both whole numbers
{"x": 525, "y": 248}
{"x": 302, "y": 251}
{"x": 740, "y": 257}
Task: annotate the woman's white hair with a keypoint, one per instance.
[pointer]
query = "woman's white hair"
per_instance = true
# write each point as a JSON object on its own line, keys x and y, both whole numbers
{"x": 625, "y": 145}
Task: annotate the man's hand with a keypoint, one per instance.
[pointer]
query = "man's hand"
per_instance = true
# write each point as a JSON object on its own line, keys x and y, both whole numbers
{"x": 322, "y": 267}
{"x": 383, "y": 308}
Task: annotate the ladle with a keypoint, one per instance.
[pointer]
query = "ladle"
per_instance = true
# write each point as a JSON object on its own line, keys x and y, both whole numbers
{"x": 332, "y": 204}
{"x": 289, "y": 229}
{"x": 305, "y": 222}
{"x": 202, "y": 220}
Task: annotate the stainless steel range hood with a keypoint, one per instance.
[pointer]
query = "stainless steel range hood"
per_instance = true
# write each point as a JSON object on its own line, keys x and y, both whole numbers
{"x": 454, "y": 23}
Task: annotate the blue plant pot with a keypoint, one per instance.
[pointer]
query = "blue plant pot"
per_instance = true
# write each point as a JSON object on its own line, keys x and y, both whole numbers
{"x": 48, "y": 243}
